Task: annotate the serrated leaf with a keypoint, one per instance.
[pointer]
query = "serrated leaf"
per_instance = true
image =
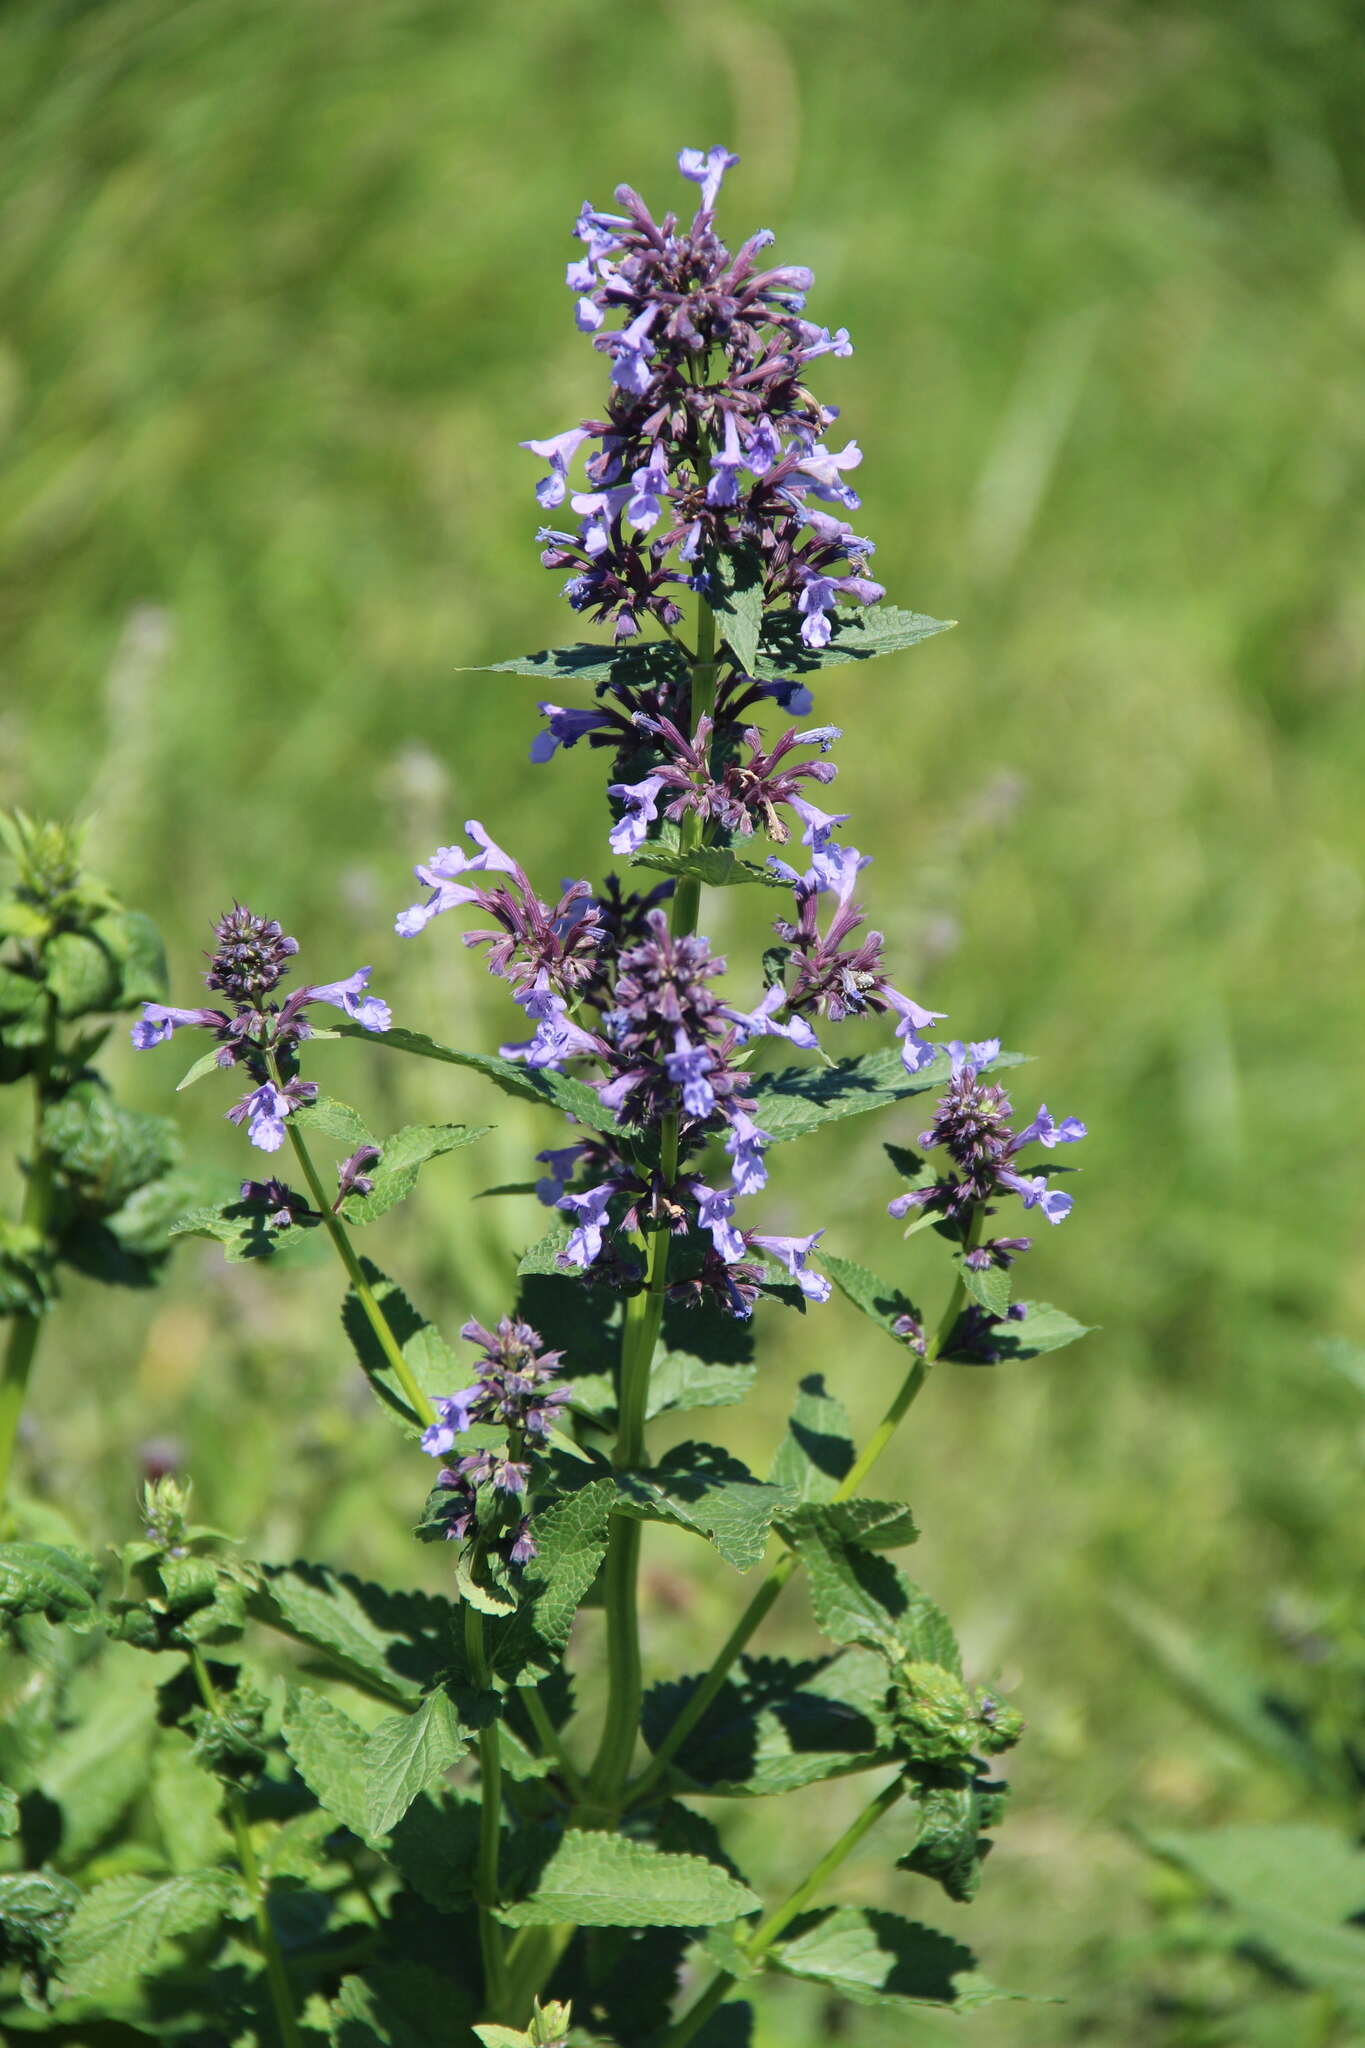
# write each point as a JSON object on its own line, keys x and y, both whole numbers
{"x": 816, "y": 1453}
{"x": 879, "y": 1301}
{"x": 1043, "y": 1328}
{"x": 735, "y": 578}
{"x": 402, "y": 1159}
{"x": 120, "y": 1928}
{"x": 954, "y": 1806}
{"x": 94, "y": 1768}
{"x": 680, "y": 1381}
{"x": 639, "y": 664}
{"x": 879, "y": 1959}
{"x": 430, "y": 1359}
{"x": 571, "y": 1542}
{"x": 719, "y": 867}
{"x": 854, "y": 636}
{"x": 541, "y": 1259}
{"x": 328, "y": 1749}
{"x": 1295, "y": 1887}
{"x": 875, "y": 1524}
{"x": 560, "y": 1091}
{"x": 105, "y": 1152}
{"x": 334, "y": 1119}
{"x": 243, "y": 1229}
{"x": 775, "y": 1725}
{"x": 610, "y": 1880}
{"x": 19, "y": 994}
{"x": 81, "y": 974}
{"x": 860, "y": 1597}
{"x": 702, "y": 1488}
{"x": 800, "y": 1099}
{"x": 37, "y": 1578}
{"x": 435, "y": 1847}
{"x": 394, "y": 1645}
{"x": 988, "y": 1285}
{"x": 407, "y": 1753}
{"x": 185, "y": 1802}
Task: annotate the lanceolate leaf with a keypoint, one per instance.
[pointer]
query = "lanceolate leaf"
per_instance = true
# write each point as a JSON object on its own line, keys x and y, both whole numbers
{"x": 800, "y": 1099}
{"x": 817, "y": 1451}
{"x": 879, "y": 1301}
{"x": 736, "y": 579}
{"x": 989, "y": 1285}
{"x": 407, "y": 1753}
{"x": 390, "y": 1644}
{"x": 776, "y": 1725}
{"x": 1043, "y": 1328}
{"x": 641, "y": 664}
{"x": 856, "y": 636}
{"x": 402, "y": 1158}
{"x": 433, "y": 1364}
{"x": 879, "y": 1959}
{"x": 571, "y": 1540}
{"x": 119, "y": 1929}
{"x": 243, "y": 1229}
{"x": 703, "y": 1488}
{"x": 560, "y": 1091}
{"x": 718, "y": 866}
{"x": 610, "y": 1880}
{"x": 332, "y": 1119}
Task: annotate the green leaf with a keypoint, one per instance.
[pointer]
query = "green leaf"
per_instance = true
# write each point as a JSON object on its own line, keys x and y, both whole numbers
{"x": 9, "y": 1813}
{"x": 640, "y": 665}
{"x": 392, "y": 2006}
{"x": 98, "y": 1764}
{"x": 394, "y": 1645}
{"x": 135, "y": 945}
{"x": 541, "y": 1259}
{"x": 879, "y": 1959}
{"x": 207, "y": 1063}
{"x": 571, "y": 1542}
{"x": 332, "y": 1119}
{"x": 81, "y": 974}
{"x": 702, "y": 1488}
{"x": 36, "y": 1578}
{"x": 680, "y": 1381}
{"x": 990, "y": 1286}
{"x": 954, "y": 1806}
{"x": 1294, "y": 1887}
{"x": 816, "y": 1454}
{"x": 430, "y": 1359}
{"x": 19, "y": 993}
{"x": 407, "y": 1753}
{"x": 879, "y": 1301}
{"x": 185, "y": 1802}
{"x": 328, "y": 1749}
{"x": 610, "y": 1880}
{"x": 36, "y": 1904}
{"x": 735, "y": 576}
{"x": 244, "y": 1230}
{"x": 560, "y": 1091}
{"x": 120, "y": 1928}
{"x": 104, "y": 1152}
{"x": 855, "y": 636}
{"x": 860, "y": 1597}
{"x": 775, "y": 1725}
{"x": 402, "y": 1159}
{"x": 875, "y": 1524}
{"x": 1043, "y": 1328}
{"x": 435, "y": 1847}
{"x": 718, "y": 866}
{"x": 800, "y": 1099}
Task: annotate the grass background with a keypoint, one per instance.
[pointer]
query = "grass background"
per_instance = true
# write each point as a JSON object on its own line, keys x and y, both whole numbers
{"x": 279, "y": 293}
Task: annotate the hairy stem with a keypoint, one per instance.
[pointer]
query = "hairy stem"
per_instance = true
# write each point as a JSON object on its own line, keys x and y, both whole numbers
{"x": 374, "y": 1314}
{"x": 490, "y": 1824}
{"x": 277, "y": 1977}
{"x": 35, "y": 1214}
{"x": 708, "y": 1687}
{"x": 763, "y": 1936}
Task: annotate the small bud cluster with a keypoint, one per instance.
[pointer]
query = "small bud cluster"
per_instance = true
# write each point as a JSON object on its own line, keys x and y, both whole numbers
{"x": 517, "y": 1392}
{"x": 251, "y": 959}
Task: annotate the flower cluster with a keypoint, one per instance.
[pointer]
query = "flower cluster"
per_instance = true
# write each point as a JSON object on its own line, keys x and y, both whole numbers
{"x": 250, "y": 959}
{"x": 517, "y": 1392}
{"x": 710, "y": 442}
{"x": 972, "y": 1124}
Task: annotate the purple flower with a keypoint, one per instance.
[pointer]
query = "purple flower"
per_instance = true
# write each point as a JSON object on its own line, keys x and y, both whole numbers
{"x": 916, "y": 1053}
{"x": 352, "y": 1177}
{"x": 557, "y": 1038}
{"x": 760, "y": 1022}
{"x": 562, "y": 1164}
{"x": 509, "y": 1477}
{"x": 348, "y": 995}
{"x": 816, "y": 601}
{"x": 715, "y": 1208}
{"x": 1035, "y": 1193}
{"x": 792, "y": 1252}
{"x": 823, "y": 467}
{"x": 630, "y": 369}
{"x": 723, "y": 488}
{"x": 1045, "y": 1130}
{"x": 649, "y": 485}
{"x": 453, "y": 1418}
{"x": 641, "y": 809}
{"x": 744, "y": 1142}
{"x": 823, "y": 343}
{"x": 524, "y": 1547}
{"x": 159, "y": 1022}
{"x": 585, "y": 1242}
{"x": 441, "y": 875}
{"x": 267, "y": 1107}
{"x": 765, "y": 447}
{"x": 979, "y": 1055}
{"x": 689, "y": 1065}
{"x": 793, "y": 698}
{"x": 819, "y": 824}
{"x": 706, "y": 168}
{"x": 565, "y": 729}
{"x": 559, "y": 452}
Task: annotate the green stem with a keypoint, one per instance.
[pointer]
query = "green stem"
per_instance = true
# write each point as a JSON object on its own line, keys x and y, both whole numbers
{"x": 702, "y": 704}
{"x": 364, "y": 1293}
{"x": 763, "y": 1937}
{"x": 277, "y": 1977}
{"x": 36, "y": 1215}
{"x": 490, "y": 1823}
{"x": 547, "y": 1735}
{"x": 708, "y": 1687}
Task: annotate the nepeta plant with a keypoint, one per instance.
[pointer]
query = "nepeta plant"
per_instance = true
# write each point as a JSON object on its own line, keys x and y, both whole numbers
{"x": 479, "y": 1857}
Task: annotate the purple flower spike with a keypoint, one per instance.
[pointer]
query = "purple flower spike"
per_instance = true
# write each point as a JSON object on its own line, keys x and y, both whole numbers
{"x": 715, "y": 1208}
{"x": 158, "y": 1023}
{"x": 792, "y": 1252}
{"x": 706, "y": 168}
{"x": 640, "y": 800}
{"x": 559, "y": 452}
{"x": 689, "y": 1065}
{"x": 348, "y": 995}
{"x": 1045, "y": 1130}
{"x": 585, "y": 1242}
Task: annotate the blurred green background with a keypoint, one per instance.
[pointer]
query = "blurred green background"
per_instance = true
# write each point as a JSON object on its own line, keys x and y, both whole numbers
{"x": 280, "y": 290}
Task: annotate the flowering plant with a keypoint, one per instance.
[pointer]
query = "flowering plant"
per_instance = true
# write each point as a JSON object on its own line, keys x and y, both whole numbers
{"x": 480, "y": 1857}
